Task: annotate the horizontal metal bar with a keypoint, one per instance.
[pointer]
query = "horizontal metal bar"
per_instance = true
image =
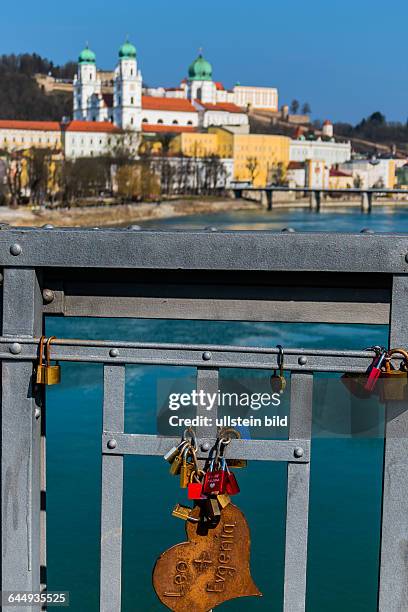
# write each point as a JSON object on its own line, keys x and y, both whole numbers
{"x": 214, "y": 356}
{"x": 257, "y": 450}
{"x": 220, "y": 310}
{"x": 203, "y": 250}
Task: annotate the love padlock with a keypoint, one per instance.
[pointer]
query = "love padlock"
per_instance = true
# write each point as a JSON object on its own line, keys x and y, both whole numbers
{"x": 215, "y": 480}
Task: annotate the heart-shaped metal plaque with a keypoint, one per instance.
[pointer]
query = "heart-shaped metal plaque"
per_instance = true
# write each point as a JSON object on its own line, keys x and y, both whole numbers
{"x": 212, "y": 567}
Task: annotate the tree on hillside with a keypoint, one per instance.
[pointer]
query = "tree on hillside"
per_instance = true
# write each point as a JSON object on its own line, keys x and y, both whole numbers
{"x": 294, "y": 107}
{"x": 306, "y": 109}
{"x": 20, "y": 96}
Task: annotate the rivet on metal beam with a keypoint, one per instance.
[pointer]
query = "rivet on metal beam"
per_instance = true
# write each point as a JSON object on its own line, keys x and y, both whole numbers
{"x": 367, "y": 230}
{"x": 406, "y": 257}
{"x": 48, "y": 296}
{"x": 205, "y": 447}
{"x": 48, "y": 226}
{"x": 15, "y": 348}
{"x": 16, "y": 249}
{"x": 302, "y": 360}
{"x": 114, "y": 352}
{"x": 111, "y": 444}
{"x": 37, "y": 413}
{"x": 211, "y": 229}
{"x": 298, "y": 452}
{"x": 134, "y": 227}
{"x": 1, "y": 277}
{"x": 288, "y": 230}
{"x": 207, "y": 356}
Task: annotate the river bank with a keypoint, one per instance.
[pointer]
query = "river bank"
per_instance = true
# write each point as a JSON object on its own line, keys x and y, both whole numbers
{"x": 128, "y": 214}
{"x": 121, "y": 214}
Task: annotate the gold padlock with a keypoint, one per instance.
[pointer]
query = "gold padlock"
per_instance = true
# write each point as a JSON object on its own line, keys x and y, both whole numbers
{"x": 394, "y": 382}
{"x": 52, "y": 374}
{"x": 40, "y": 373}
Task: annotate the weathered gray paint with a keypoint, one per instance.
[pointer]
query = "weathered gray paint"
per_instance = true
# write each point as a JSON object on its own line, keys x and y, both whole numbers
{"x": 20, "y": 441}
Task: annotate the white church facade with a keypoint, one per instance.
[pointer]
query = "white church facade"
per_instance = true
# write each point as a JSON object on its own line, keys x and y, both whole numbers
{"x": 199, "y": 102}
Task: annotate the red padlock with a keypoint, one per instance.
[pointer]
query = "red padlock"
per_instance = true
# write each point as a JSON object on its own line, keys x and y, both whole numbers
{"x": 215, "y": 481}
{"x": 375, "y": 371}
{"x": 195, "y": 490}
{"x": 195, "y": 486}
{"x": 231, "y": 487}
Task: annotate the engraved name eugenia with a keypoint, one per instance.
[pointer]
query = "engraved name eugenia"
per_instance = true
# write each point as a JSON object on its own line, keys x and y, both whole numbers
{"x": 228, "y": 421}
{"x": 224, "y": 569}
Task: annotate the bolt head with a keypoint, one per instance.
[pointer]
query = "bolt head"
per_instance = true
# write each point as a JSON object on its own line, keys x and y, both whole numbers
{"x": 302, "y": 360}
{"x": 48, "y": 226}
{"x": 134, "y": 227}
{"x": 112, "y": 444}
{"x": 114, "y": 352}
{"x": 15, "y": 348}
{"x": 205, "y": 447}
{"x": 48, "y": 295}
{"x": 207, "y": 356}
{"x": 288, "y": 230}
{"x": 37, "y": 413}
{"x": 211, "y": 229}
{"x": 367, "y": 230}
{"x": 15, "y": 249}
{"x": 298, "y": 452}
{"x": 406, "y": 257}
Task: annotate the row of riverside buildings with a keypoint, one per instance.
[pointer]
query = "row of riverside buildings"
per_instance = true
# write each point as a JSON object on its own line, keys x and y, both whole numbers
{"x": 199, "y": 118}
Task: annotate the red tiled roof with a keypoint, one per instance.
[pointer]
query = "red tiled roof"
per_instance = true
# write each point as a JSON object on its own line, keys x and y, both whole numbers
{"x": 227, "y": 107}
{"x": 173, "y": 89}
{"x": 219, "y": 86}
{"x": 176, "y": 129}
{"x": 340, "y": 173}
{"x": 167, "y": 104}
{"x": 92, "y": 126}
{"x": 327, "y": 122}
{"x": 45, "y": 126}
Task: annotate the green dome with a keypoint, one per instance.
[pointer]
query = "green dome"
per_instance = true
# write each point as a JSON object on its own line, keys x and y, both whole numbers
{"x": 87, "y": 56}
{"x": 127, "y": 51}
{"x": 200, "y": 70}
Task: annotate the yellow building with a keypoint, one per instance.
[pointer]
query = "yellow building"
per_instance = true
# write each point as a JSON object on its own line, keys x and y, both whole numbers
{"x": 340, "y": 180}
{"x": 258, "y": 158}
{"x": 194, "y": 144}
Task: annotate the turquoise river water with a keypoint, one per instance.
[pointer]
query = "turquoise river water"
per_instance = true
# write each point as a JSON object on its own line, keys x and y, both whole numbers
{"x": 346, "y": 472}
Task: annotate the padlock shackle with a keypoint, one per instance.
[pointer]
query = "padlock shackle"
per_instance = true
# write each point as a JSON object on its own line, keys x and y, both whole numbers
{"x": 41, "y": 351}
{"x": 48, "y": 349}
{"x": 398, "y": 351}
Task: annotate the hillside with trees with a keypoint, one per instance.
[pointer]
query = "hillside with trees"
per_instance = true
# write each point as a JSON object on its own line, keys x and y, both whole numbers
{"x": 20, "y": 96}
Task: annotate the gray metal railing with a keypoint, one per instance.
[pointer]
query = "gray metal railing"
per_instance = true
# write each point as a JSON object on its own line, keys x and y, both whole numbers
{"x": 250, "y": 276}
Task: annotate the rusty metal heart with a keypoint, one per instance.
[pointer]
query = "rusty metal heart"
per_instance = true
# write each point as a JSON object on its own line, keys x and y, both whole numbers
{"x": 212, "y": 567}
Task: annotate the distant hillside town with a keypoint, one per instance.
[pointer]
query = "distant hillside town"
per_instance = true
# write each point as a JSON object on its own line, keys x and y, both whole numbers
{"x": 196, "y": 134}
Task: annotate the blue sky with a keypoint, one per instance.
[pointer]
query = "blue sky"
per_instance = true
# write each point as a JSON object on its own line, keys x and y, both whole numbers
{"x": 347, "y": 59}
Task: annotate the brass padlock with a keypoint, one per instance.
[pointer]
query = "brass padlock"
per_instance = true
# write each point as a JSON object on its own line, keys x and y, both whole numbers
{"x": 52, "y": 373}
{"x": 40, "y": 373}
{"x": 394, "y": 383}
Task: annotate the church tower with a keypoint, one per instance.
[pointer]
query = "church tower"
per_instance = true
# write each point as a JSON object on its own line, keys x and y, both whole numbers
{"x": 86, "y": 84}
{"x": 127, "y": 97}
{"x": 200, "y": 84}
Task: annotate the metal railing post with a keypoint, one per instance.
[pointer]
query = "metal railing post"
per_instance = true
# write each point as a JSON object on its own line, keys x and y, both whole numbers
{"x": 20, "y": 440}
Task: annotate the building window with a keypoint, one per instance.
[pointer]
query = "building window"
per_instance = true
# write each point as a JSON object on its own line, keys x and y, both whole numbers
{"x": 145, "y": 120}
{"x": 160, "y": 121}
{"x": 131, "y": 120}
{"x": 175, "y": 122}
{"x": 189, "y": 123}
{"x": 132, "y": 100}
{"x": 131, "y": 72}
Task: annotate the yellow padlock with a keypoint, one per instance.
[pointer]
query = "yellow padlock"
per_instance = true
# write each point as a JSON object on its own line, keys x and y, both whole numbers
{"x": 52, "y": 374}
{"x": 394, "y": 383}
